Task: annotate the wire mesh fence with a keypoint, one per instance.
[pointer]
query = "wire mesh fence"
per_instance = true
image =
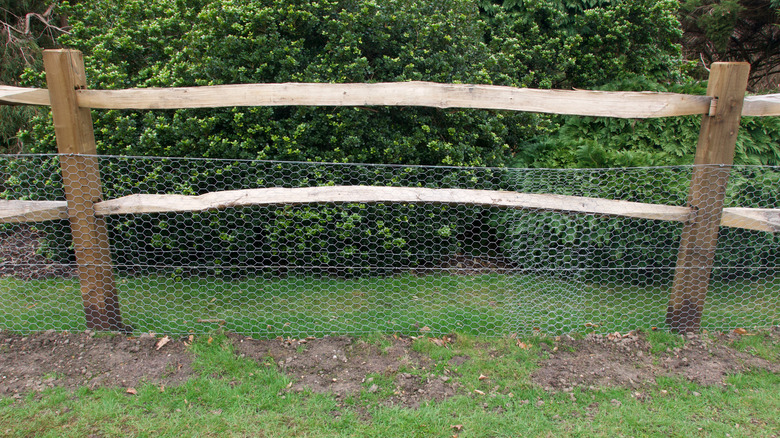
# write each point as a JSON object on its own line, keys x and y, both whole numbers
{"x": 306, "y": 265}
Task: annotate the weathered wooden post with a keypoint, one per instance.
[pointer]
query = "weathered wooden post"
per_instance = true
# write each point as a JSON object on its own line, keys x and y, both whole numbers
{"x": 81, "y": 180}
{"x": 715, "y": 154}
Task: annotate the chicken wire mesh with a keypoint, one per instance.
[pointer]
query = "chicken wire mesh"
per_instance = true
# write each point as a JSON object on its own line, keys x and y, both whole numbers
{"x": 294, "y": 267}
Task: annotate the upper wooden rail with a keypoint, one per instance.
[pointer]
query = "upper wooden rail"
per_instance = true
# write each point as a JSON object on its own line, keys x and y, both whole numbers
{"x": 764, "y": 105}
{"x": 23, "y": 96}
{"x": 428, "y": 94}
{"x": 622, "y": 104}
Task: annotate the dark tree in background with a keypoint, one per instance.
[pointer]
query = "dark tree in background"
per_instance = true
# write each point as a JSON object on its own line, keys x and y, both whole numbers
{"x": 735, "y": 30}
{"x": 26, "y": 28}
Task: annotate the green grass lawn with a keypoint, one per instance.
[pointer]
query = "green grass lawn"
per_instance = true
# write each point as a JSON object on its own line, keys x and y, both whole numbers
{"x": 234, "y": 396}
{"x": 298, "y": 306}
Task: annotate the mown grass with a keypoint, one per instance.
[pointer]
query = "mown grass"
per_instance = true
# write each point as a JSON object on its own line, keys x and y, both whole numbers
{"x": 490, "y": 304}
{"x": 233, "y": 396}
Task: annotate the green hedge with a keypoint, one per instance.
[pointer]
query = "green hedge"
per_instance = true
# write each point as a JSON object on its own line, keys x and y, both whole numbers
{"x": 539, "y": 43}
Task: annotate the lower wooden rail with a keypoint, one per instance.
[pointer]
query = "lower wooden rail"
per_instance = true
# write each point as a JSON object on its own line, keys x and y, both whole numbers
{"x": 761, "y": 219}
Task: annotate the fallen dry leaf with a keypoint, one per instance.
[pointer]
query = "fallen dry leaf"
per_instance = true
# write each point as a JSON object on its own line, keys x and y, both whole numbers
{"x": 482, "y": 377}
{"x": 740, "y": 331}
{"x": 477, "y": 391}
{"x": 161, "y": 343}
{"x": 210, "y": 340}
{"x": 439, "y": 342}
{"x": 590, "y": 324}
{"x": 457, "y": 427}
{"x": 425, "y": 329}
{"x": 131, "y": 391}
{"x": 523, "y": 345}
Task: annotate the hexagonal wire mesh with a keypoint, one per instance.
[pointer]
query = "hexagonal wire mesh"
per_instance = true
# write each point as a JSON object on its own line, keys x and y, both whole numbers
{"x": 298, "y": 268}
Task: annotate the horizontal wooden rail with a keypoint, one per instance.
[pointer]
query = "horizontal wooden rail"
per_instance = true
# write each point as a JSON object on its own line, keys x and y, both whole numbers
{"x": 23, "y": 96}
{"x": 765, "y": 105}
{"x": 762, "y": 219}
{"x": 32, "y": 211}
{"x": 623, "y": 104}
{"x": 642, "y": 105}
{"x": 377, "y": 194}
{"x": 428, "y": 94}
{"x": 35, "y": 211}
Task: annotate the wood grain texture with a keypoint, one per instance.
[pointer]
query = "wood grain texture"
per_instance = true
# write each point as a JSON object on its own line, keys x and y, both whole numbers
{"x": 32, "y": 211}
{"x": 765, "y": 105}
{"x": 714, "y": 156}
{"x": 428, "y": 94}
{"x": 759, "y": 106}
{"x": 81, "y": 182}
{"x": 23, "y": 96}
{"x": 761, "y": 219}
{"x": 146, "y": 203}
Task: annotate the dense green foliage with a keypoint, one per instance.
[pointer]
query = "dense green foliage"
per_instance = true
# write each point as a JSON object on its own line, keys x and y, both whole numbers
{"x": 642, "y": 251}
{"x": 200, "y": 42}
{"x": 219, "y": 42}
{"x": 588, "y": 142}
{"x": 604, "y": 44}
{"x": 585, "y": 43}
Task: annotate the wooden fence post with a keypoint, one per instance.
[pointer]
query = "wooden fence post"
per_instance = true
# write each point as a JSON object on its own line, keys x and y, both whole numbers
{"x": 715, "y": 151}
{"x": 81, "y": 180}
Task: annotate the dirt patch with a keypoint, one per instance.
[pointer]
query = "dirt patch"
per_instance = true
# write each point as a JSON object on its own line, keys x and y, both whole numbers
{"x": 625, "y": 360}
{"x": 350, "y": 367}
{"x": 19, "y": 257}
{"x": 70, "y": 360}
{"x": 344, "y": 366}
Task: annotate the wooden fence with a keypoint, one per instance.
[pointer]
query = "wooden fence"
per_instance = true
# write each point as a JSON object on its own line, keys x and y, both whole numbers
{"x": 71, "y": 103}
